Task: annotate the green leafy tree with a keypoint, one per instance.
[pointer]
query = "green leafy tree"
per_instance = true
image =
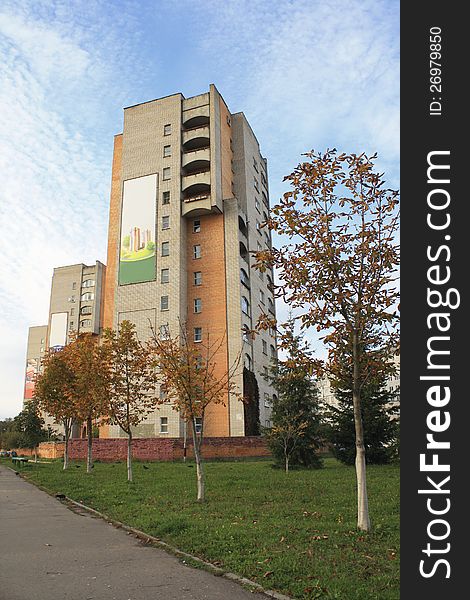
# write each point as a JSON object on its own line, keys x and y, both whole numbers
{"x": 295, "y": 435}
{"x": 379, "y": 419}
{"x": 251, "y": 403}
{"x": 30, "y": 425}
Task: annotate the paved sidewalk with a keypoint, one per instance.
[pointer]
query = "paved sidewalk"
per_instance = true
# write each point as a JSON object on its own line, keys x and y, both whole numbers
{"x": 50, "y": 552}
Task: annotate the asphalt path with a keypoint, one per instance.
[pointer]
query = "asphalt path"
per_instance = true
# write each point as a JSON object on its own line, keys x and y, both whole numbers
{"x": 49, "y": 552}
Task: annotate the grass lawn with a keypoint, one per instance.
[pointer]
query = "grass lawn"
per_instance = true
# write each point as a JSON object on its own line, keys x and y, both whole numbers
{"x": 294, "y": 533}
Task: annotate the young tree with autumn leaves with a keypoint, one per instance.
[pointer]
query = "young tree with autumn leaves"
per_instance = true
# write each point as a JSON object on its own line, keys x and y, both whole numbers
{"x": 55, "y": 394}
{"x": 191, "y": 379}
{"x": 87, "y": 361}
{"x": 129, "y": 381}
{"x": 338, "y": 272}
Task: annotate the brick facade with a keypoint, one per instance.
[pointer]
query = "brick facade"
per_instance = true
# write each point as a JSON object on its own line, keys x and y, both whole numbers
{"x": 168, "y": 449}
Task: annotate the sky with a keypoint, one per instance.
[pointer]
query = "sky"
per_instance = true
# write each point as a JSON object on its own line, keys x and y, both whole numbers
{"x": 308, "y": 74}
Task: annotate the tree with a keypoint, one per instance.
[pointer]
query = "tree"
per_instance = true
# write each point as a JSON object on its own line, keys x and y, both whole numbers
{"x": 251, "y": 403}
{"x": 190, "y": 376}
{"x": 294, "y": 437}
{"x": 128, "y": 381}
{"x": 379, "y": 419}
{"x": 29, "y": 424}
{"x": 86, "y": 360}
{"x": 55, "y": 392}
{"x": 338, "y": 271}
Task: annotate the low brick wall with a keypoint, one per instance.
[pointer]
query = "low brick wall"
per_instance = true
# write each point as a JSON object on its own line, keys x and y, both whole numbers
{"x": 51, "y": 449}
{"x": 167, "y": 449}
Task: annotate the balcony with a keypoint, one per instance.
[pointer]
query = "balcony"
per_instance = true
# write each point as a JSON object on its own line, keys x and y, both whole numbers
{"x": 196, "y": 205}
{"x": 195, "y": 161}
{"x": 196, "y": 138}
{"x": 196, "y": 183}
{"x": 196, "y": 117}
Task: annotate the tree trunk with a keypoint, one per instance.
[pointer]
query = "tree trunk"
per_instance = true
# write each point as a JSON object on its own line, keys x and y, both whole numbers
{"x": 199, "y": 466}
{"x": 363, "y": 521}
{"x": 287, "y": 463}
{"x": 129, "y": 456}
{"x": 66, "y": 449}
{"x": 89, "y": 458}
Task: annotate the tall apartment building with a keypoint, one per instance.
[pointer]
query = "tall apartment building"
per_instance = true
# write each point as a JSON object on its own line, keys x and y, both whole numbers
{"x": 76, "y": 302}
{"x": 75, "y": 305}
{"x": 188, "y": 197}
{"x": 37, "y": 337}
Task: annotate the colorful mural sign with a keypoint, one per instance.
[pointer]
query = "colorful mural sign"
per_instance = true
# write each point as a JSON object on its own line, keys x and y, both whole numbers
{"x": 137, "y": 260}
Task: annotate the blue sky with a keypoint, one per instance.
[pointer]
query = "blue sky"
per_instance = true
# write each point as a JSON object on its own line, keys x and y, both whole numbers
{"x": 307, "y": 74}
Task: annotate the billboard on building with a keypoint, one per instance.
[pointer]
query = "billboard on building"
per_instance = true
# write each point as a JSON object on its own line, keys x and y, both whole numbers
{"x": 58, "y": 330}
{"x": 32, "y": 368}
{"x": 137, "y": 260}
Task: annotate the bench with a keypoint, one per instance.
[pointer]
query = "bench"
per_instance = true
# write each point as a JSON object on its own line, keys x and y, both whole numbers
{"x": 19, "y": 460}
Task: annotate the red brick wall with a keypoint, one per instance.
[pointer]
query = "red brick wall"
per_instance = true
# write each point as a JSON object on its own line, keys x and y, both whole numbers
{"x": 168, "y": 449}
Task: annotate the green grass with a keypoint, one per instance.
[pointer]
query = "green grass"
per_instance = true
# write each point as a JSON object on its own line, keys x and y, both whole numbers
{"x": 295, "y": 533}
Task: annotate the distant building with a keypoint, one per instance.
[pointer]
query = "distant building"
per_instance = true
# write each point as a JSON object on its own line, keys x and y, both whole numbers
{"x": 37, "y": 337}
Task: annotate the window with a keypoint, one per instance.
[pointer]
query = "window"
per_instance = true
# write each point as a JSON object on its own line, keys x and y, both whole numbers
{"x": 197, "y": 226}
{"x": 166, "y": 151}
{"x": 255, "y": 164}
{"x": 88, "y": 283}
{"x": 199, "y": 362}
{"x": 162, "y": 394}
{"x": 166, "y": 198}
{"x": 197, "y": 251}
{"x": 87, "y": 296}
{"x": 165, "y": 276}
{"x": 257, "y": 205}
{"x": 167, "y": 129}
{"x": 71, "y": 325}
{"x": 247, "y": 362}
{"x": 72, "y": 299}
{"x": 86, "y": 310}
{"x": 74, "y": 285}
{"x": 164, "y": 303}
{"x": 261, "y": 296}
{"x": 163, "y": 424}
{"x": 265, "y": 346}
{"x": 198, "y": 334}
{"x": 270, "y": 305}
{"x": 256, "y": 184}
{"x": 164, "y": 332}
{"x": 72, "y": 312}
{"x": 273, "y": 352}
{"x": 85, "y": 323}
{"x": 267, "y": 424}
{"x": 265, "y": 372}
{"x": 165, "y": 248}
{"x": 198, "y": 424}
{"x": 166, "y": 222}
{"x": 197, "y": 278}
{"x": 245, "y": 306}
{"x": 166, "y": 173}
{"x": 244, "y": 278}
{"x": 267, "y": 400}
{"x": 258, "y": 227}
{"x": 197, "y": 305}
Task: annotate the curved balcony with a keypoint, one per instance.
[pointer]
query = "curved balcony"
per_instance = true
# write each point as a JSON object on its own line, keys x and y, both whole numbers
{"x": 197, "y": 138}
{"x": 196, "y": 183}
{"x": 196, "y": 205}
{"x": 196, "y": 161}
{"x": 196, "y": 117}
